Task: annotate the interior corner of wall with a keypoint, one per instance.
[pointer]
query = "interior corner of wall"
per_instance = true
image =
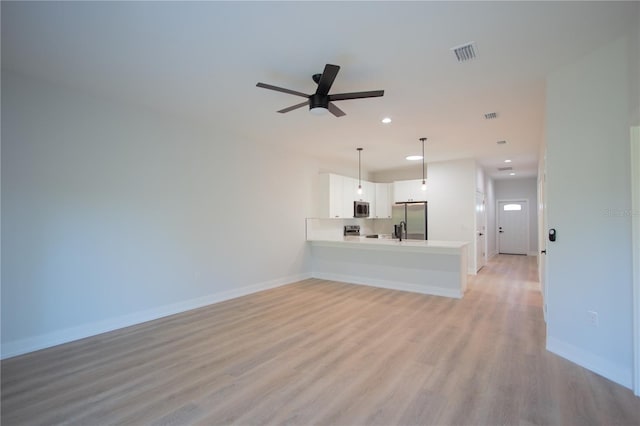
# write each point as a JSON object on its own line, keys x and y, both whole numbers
{"x": 616, "y": 373}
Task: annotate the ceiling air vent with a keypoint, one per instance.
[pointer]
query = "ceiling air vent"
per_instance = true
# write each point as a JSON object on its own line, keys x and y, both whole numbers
{"x": 465, "y": 52}
{"x": 491, "y": 115}
{"x": 504, "y": 169}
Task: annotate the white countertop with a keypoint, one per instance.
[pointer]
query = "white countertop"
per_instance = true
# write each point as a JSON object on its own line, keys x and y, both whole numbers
{"x": 393, "y": 244}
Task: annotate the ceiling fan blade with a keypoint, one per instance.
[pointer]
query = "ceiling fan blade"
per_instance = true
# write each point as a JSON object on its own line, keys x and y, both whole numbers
{"x": 281, "y": 89}
{"x": 356, "y": 95}
{"x": 335, "y": 110}
{"x": 291, "y": 108}
{"x": 326, "y": 80}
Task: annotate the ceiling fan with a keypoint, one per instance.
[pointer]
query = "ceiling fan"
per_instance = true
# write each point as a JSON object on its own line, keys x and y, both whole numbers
{"x": 321, "y": 100}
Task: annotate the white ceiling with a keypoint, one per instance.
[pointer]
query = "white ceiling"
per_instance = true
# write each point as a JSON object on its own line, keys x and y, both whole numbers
{"x": 201, "y": 61}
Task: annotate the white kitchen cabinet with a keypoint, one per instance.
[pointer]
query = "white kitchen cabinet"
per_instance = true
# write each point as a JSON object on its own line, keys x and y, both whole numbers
{"x": 336, "y": 195}
{"x": 408, "y": 190}
{"x": 368, "y": 193}
{"x": 351, "y": 191}
{"x": 330, "y": 193}
{"x": 349, "y": 194}
{"x": 381, "y": 208}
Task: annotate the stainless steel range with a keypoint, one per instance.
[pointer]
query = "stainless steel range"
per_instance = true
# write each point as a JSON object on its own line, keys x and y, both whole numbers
{"x": 352, "y": 230}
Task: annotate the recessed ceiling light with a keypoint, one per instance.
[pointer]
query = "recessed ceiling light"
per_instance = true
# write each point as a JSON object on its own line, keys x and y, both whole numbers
{"x": 386, "y": 120}
{"x": 512, "y": 174}
{"x": 414, "y": 157}
{"x": 507, "y": 161}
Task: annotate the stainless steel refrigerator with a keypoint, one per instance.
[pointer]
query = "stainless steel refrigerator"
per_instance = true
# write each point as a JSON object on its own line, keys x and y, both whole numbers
{"x": 414, "y": 215}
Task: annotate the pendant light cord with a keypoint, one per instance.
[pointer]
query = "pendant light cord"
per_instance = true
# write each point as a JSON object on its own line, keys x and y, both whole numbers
{"x": 359, "y": 165}
{"x": 423, "y": 139}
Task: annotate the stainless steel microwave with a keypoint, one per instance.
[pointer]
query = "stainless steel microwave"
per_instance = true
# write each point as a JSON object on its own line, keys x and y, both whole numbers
{"x": 360, "y": 209}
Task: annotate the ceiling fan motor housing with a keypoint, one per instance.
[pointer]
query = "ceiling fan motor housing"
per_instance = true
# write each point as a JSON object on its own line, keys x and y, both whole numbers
{"x": 318, "y": 101}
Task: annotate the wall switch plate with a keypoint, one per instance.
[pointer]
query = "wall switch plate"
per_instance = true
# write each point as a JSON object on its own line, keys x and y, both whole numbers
{"x": 593, "y": 318}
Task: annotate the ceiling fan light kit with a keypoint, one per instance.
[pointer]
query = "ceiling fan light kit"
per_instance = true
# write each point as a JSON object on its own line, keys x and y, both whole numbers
{"x": 321, "y": 101}
{"x": 318, "y": 110}
{"x": 318, "y": 104}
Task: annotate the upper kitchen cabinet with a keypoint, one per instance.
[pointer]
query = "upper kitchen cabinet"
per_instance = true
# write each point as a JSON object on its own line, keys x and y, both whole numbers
{"x": 368, "y": 191}
{"x": 331, "y": 197}
{"x": 350, "y": 192}
{"x": 381, "y": 209}
{"x": 336, "y": 195}
{"x": 408, "y": 191}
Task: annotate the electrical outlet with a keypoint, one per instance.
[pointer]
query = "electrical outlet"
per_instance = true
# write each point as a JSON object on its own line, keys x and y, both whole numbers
{"x": 593, "y": 318}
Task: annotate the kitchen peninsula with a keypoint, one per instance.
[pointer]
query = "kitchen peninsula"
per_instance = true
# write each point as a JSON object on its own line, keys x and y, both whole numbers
{"x": 421, "y": 266}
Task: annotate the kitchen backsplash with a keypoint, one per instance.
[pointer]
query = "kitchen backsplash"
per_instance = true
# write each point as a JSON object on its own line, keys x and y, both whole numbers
{"x": 331, "y": 229}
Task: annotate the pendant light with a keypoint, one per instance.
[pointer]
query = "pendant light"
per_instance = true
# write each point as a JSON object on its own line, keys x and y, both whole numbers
{"x": 424, "y": 182}
{"x": 359, "y": 163}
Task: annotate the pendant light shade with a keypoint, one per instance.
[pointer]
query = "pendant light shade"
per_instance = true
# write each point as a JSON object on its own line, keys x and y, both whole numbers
{"x": 424, "y": 182}
{"x": 359, "y": 164}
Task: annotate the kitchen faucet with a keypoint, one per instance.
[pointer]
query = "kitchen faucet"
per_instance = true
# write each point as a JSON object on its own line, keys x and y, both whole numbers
{"x": 402, "y": 225}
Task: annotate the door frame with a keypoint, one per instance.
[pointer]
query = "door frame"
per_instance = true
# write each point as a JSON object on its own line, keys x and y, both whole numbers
{"x": 542, "y": 238}
{"x": 527, "y": 219}
{"x": 483, "y": 229}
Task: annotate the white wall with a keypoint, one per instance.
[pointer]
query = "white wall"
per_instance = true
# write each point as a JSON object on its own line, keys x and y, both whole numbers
{"x": 481, "y": 179}
{"x": 451, "y": 192}
{"x": 410, "y": 172}
{"x": 635, "y": 218}
{"x": 522, "y": 189}
{"x": 113, "y": 215}
{"x": 451, "y": 195}
{"x": 589, "y": 267}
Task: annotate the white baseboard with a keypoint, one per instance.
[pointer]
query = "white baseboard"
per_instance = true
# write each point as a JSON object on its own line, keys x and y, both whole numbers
{"x": 392, "y": 285}
{"x": 30, "y": 344}
{"x": 595, "y": 363}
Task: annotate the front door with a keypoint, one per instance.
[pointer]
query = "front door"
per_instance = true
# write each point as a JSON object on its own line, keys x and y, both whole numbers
{"x": 513, "y": 227}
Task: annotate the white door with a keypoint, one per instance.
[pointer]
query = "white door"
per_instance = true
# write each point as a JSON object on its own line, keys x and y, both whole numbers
{"x": 513, "y": 227}
{"x": 480, "y": 231}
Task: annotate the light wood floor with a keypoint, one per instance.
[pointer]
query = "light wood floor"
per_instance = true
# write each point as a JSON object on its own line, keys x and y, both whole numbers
{"x": 321, "y": 352}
